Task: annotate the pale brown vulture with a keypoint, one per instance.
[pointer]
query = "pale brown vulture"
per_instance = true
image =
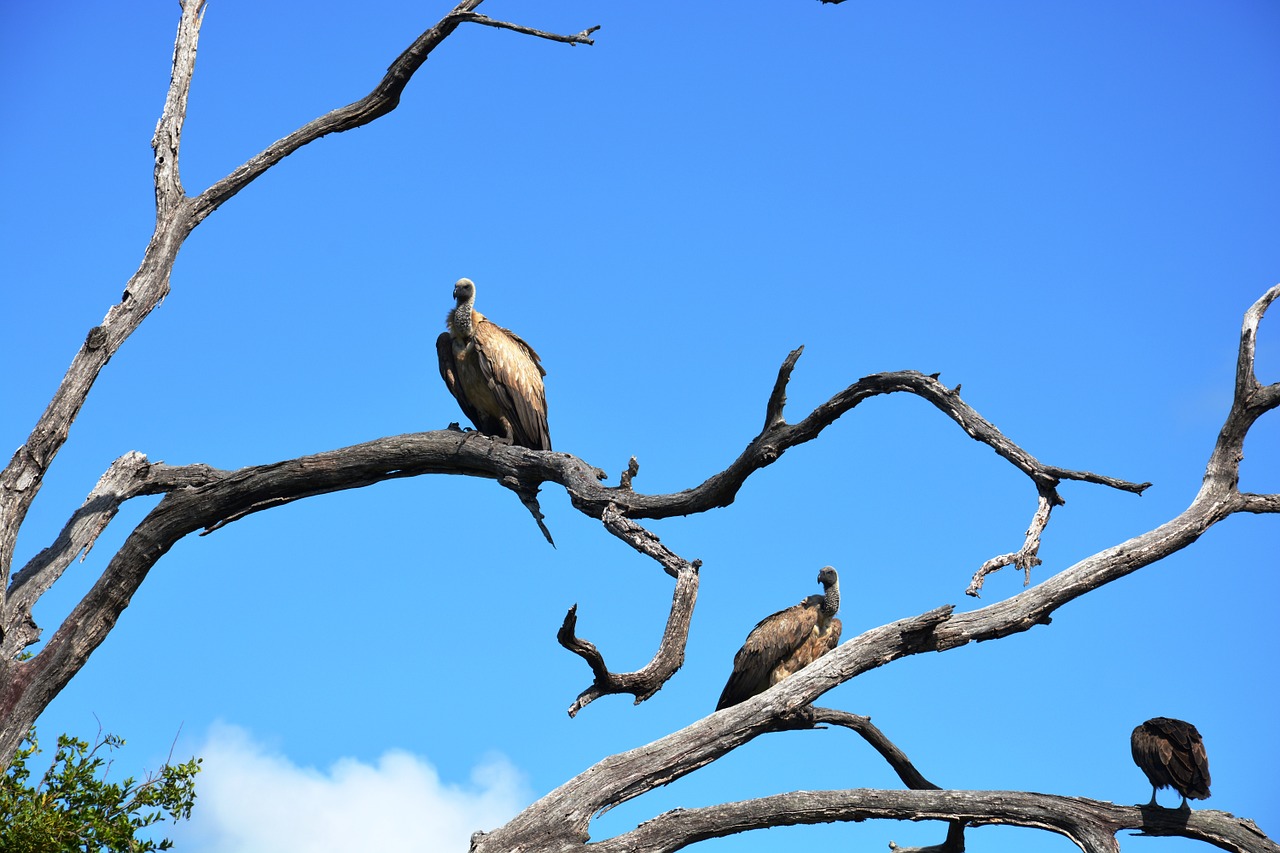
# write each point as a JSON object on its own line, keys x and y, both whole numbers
{"x": 495, "y": 376}
{"x": 786, "y": 641}
{"x": 1172, "y": 755}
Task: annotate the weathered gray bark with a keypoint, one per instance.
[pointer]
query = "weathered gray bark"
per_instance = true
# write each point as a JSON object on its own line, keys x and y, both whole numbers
{"x": 198, "y": 498}
{"x": 27, "y": 686}
{"x": 1091, "y": 824}
{"x": 560, "y": 820}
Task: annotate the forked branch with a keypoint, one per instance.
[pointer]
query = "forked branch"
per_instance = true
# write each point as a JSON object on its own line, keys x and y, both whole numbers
{"x": 1027, "y": 557}
{"x": 24, "y": 685}
{"x": 645, "y": 682}
{"x": 198, "y": 497}
{"x": 564, "y": 814}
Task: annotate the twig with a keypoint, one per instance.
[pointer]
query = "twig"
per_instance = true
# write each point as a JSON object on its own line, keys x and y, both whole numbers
{"x": 578, "y": 38}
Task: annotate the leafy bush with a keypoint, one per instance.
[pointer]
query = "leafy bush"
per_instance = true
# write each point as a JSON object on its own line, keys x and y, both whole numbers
{"x": 72, "y": 806}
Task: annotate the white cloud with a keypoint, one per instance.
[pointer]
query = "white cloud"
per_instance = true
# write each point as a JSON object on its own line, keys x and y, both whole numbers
{"x": 251, "y": 800}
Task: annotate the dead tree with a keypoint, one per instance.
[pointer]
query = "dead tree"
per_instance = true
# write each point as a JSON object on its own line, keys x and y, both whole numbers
{"x": 199, "y": 498}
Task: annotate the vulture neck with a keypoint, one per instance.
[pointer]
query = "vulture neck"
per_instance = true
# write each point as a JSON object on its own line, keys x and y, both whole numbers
{"x": 462, "y": 320}
{"x": 831, "y": 600}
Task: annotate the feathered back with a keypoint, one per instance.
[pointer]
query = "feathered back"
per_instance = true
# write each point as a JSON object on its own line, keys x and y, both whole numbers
{"x": 779, "y": 645}
{"x": 1171, "y": 754}
{"x": 496, "y": 377}
{"x": 515, "y": 374}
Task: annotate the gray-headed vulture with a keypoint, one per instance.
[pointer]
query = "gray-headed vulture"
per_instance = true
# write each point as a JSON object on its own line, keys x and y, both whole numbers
{"x": 785, "y": 642}
{"x": 1172, "y": 755}
{"x": 495, "y": 376}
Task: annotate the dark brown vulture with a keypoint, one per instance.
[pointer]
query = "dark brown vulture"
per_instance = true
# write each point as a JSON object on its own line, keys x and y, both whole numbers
{"x": 495, "y": 376}
{"x": 1172, "y": 755}
{"x": 785, "y": 642}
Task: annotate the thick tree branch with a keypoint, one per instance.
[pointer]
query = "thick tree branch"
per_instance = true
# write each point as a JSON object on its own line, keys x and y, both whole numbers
{"x": 166, "y": 143}
{"x": 1091, "y": 824}
{"x": 121, "y": 482}
{"x": 176, "y": 216}
{"x": 20, "y": 481}
{"x": 214, "y": 498}
{"x": 229, "y": 495}
{"x": 198, "y": 497}
{"x": 773, "y": 417}
{"x": 778, "y": 436}
{"x": 620, "y": 777}
{"x": 1251, "y": 400}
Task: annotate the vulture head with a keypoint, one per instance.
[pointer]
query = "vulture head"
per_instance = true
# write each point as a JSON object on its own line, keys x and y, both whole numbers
{"x": 464, "y": 291}
{"x": 828, "y": 578}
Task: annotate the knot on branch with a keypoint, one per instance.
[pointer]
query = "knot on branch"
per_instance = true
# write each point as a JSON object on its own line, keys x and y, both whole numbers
{"x": 624, "y": 481}
{"x": 96, "y": 339}
{"x": 794, "y": 719}
{"x": 918, "y": 635}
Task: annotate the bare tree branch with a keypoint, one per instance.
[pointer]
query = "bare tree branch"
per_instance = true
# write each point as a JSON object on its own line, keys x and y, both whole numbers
{"x": 778, "y": 436}
{"x": 199, "y": 497}
{"x": 889, "y": 751}
{"x": 773, "y": 417}
{"x": 176, "y": 216}
{"x": 1025, "y": 558}
{"x": 907, "y": 772}
{"x": 645, "y": 682}
{"x": 20, "y": 481}
{"x": 230, "y": 495}
{"x": 121, "y": 482}
{"x": 220, "y": 497}
{"x": 1092, "y": 825}
{"x": 568, "y": 810}
{"x": 384, "y": 98}
{"x": 579, "y": 38}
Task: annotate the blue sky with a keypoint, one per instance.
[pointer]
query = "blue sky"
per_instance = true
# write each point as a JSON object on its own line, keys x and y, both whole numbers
{"x": 1066, "y": 207}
